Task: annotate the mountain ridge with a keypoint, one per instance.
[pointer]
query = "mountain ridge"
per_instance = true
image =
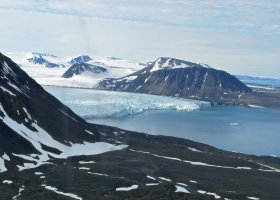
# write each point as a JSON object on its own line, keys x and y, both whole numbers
{"x": 174, "y": 77}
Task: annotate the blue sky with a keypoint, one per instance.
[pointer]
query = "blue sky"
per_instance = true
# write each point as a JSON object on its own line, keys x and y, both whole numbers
{"x": 234, "y": 35}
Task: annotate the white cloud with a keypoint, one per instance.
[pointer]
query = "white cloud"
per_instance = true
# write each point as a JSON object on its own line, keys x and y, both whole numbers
{"x": 239, "y": 36}
{"x": 239, "y": 15}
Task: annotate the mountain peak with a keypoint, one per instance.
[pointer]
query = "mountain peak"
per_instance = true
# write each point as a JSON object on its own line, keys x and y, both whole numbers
{"x": 81, "y": 67}
{"x": 38, "y": 59}
{"x": 174, "y": 77}
{"x": 78, "y": 59}
{"x": 173, "y": 63}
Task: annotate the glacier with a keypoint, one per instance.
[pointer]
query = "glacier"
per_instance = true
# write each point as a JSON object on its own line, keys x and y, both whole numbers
{"x": 90, "y": 103}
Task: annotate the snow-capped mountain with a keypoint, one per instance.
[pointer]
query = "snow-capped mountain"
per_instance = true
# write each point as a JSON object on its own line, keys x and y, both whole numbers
{"x": 84, "y": 68}
{"x": 173, "y": 77}
{"x": 79, "y": 59}
{"x": 35, "y": 127}
{"x": 42, "y": 61}
{"x": 35, "y": 65}
{"x": 259, "y": 81}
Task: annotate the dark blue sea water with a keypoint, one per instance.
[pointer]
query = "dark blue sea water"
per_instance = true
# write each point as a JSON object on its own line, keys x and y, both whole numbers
{"x": 248, "y": 130}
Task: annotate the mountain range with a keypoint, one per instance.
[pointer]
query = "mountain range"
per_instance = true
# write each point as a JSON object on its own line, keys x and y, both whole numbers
{"x": 165, "y": 76}
{"x": 48, "y": 69}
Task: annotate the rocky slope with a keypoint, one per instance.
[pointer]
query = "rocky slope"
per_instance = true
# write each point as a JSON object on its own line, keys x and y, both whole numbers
{"x": 173, "y": 77}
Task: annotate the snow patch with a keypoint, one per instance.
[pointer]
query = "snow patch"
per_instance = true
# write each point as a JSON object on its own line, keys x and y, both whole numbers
{"x": 7, "y": 182}
{"x": 133, "y": 187}
{"x": 2, "y": 165}
{"x": 19, "y": 193}
{"x": 181, "y": 189}
{"x": 253, "y": 198}
{"x": 168, "y": 65}
{"x": 150, "y": 177}
{"x": 86, "y": 162}
{"x": 209, "y": 193}
{"x": 194, "y": 149}
{"x": 151, "y": 184}
{"x": 183, "y": 184}
{"x": 6, "y": 157}
{"x": 165, "y": 179}
{"x": 84, "y": 168}
{"x": 8, "y": 91}
{"x": 98, "y": 174}
{"x": 74, "y": 196}
{"x": 192, "y": 181}
{"x": 91, "y": 133}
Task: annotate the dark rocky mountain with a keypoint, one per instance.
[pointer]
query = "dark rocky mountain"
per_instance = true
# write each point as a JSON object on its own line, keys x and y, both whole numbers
{"x": 82, "y": 58}
{"x": 81, "y": 67}
{"x": 42, "y": 61}
{"x": 48, "y": 152}
{"x": 173, "y": 77}
{"x": 33, "y": 121}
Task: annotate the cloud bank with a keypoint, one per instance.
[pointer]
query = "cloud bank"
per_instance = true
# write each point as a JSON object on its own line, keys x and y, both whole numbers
{"x": 238, "y": 36}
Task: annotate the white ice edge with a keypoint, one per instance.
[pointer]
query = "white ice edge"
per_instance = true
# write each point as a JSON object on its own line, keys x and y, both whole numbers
{"x": 101, "y": 104}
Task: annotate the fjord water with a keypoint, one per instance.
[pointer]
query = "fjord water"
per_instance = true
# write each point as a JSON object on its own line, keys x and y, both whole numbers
{"x": 248, "y": 130}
